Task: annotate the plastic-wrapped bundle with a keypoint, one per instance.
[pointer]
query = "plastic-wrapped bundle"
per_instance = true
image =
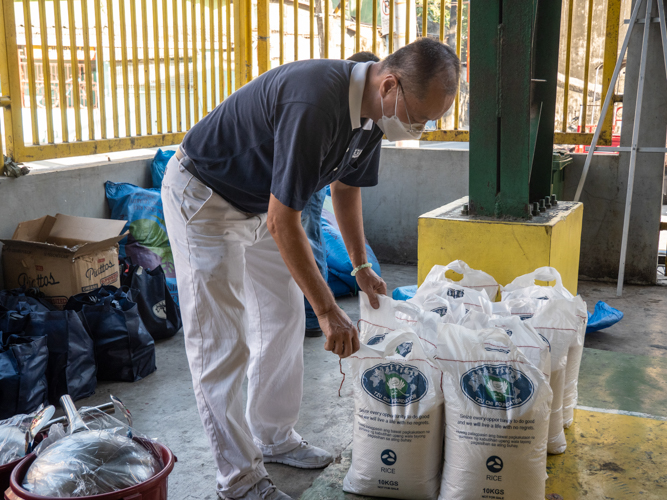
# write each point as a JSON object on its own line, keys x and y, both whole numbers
{"x": 525, "y": 287}
{"x": 90, "y": 463}
{"x": 397, "y": 445}
{"x": 471, "y": 278}
{"x": 95, "y": 456}
{"x": 497, "y": 407}
{"x": 533, "y": 345}
{"x": 13, "y": 438}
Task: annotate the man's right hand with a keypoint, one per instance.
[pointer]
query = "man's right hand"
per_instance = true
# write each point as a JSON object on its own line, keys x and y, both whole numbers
{"x": 342, "y": 335}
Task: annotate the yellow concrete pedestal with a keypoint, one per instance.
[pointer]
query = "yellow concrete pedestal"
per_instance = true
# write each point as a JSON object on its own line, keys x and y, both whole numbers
{"x": 504, "y": 248}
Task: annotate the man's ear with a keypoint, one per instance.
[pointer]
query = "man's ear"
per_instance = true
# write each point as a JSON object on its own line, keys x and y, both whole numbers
{"x": 389, "y": 82}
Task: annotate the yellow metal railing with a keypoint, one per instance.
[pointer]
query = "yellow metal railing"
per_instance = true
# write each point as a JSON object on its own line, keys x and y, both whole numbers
{"x": 81, "y": 77}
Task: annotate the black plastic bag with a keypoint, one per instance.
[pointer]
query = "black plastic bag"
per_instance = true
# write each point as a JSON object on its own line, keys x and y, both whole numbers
{"x": 157, "y": 308}
{"x": 24, "y": 301}
{"x": 71, "y": 367}
{"x": 124, "y": 350}
{"x": 23, "y": 384}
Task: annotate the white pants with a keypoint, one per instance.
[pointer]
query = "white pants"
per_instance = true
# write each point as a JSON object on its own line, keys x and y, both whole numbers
{"x": 243, "y": 314}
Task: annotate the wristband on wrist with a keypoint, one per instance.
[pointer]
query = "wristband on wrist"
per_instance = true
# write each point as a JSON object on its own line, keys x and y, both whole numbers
{"x": 359, "y": 268}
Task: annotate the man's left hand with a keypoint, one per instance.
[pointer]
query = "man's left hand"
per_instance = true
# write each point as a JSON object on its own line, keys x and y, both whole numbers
{"x": 372, "y": 285}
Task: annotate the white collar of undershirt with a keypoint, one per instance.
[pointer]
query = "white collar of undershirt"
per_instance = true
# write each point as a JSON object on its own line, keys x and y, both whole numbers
{"x": 357, "y": 84}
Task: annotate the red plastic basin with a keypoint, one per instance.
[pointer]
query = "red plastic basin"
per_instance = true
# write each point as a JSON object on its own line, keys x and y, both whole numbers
{"x": 6, "y": 472}
{"x": 153, "y": 489}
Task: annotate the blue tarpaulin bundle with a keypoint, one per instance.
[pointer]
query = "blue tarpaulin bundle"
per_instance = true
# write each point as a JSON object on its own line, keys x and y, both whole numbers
{"x": 603, "y": 317}
{"x": 404, "y": 292}
{"x": 338, "y": 261}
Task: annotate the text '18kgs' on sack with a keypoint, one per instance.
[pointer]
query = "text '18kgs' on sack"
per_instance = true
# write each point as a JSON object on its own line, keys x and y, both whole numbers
{"x": 497, "y": 407}
{"x": 397, "y": 446}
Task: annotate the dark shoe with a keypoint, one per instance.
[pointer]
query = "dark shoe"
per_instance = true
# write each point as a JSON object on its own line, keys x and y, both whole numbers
{"x": 314, "y": 332}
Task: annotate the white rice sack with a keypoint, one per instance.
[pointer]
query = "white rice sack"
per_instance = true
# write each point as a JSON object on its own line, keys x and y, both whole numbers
{"x": 375, "y": 324}
{"x": 497, "y": 409}
{"x": 533, "y": 345}
{"x": 525, "y": 287}
{"x": 561, "y": 329}
{"x": 397, "y": 443}
{"x": 434, "y": 295}
{"x": 471, "y": 278}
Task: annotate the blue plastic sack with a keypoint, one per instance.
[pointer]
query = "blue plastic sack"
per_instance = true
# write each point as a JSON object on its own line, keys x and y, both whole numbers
{"x": 159, "y": 165}
{"x": 338, "y": 261}
{"x": 148, "y": 243}
{"x": 404, "y": 292}
{"x": 603, "y": 317}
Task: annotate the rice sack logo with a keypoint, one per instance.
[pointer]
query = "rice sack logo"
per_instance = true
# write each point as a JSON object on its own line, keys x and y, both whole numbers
{"x": 376, "y": 339}
{"x": 394, "y": 384}
{"x": 501, "y": 387}
{"x": 440, "y": 310}
{"x": 545, "y": 340}
{"x": 388, "y": 457}
{"x": 494, "y": 464}
{"x": 404, "y": 349}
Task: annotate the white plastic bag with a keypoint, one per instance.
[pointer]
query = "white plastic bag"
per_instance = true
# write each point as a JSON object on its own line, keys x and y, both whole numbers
{"x": 397, "y": 444}
{"x": 472, "y": 278}
{"x": 533, "y": 345}
{"x": 525, "y": 287}
{"x": 450, "y": 300}
{"x": 375, "y": 324}
{"x": 560, "y": 327}
{"x": 497, "y": 408}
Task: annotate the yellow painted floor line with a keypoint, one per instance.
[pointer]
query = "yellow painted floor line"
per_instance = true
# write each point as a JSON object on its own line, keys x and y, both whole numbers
{"x": 611, "y": 455}
{"x": 622, "y": 412}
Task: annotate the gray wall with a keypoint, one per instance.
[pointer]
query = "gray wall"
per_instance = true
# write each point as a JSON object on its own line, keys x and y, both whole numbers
{"x": 412, "y": 182}
{"x": 72, "y": 191}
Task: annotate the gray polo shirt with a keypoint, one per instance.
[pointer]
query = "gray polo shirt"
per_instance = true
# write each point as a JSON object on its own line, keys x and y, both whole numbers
{"x": 289, "y": 133}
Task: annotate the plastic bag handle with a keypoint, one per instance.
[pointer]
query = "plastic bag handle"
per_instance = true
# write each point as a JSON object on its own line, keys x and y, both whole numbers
{"x": 542, "y": 274}
{"x": 496, "y": 335}
{"x": 458, "y": 266}
{"x": 412, "y": 310}
{"x": 548, "y": 274}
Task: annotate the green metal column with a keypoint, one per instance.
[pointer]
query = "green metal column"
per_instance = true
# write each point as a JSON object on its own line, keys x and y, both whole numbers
{"x": 485, "y": 31}
{"x": 545, "y": 75}
{"x": 515, "y": 81}
{"x": 514, "y": 49}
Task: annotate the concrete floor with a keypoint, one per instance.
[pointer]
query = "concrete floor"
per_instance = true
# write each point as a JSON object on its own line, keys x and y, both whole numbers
{"x": 163, "y": 404}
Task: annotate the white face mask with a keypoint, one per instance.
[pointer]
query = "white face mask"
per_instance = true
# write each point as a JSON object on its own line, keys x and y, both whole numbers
{"x": 394, "y": 128}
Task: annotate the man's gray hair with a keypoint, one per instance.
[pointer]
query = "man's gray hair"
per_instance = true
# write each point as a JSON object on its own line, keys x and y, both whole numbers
{"x": 421, "y": 62}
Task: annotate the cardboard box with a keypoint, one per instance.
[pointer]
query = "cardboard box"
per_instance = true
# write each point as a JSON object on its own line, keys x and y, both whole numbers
{"x": 63, "y": 255}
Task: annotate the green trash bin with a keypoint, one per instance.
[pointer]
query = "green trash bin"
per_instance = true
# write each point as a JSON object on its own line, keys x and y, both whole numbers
{"x": 560, "y": 160}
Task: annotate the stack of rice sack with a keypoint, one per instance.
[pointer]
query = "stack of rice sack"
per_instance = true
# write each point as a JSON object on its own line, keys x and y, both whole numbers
{"x": 564, "y": 314}
{"x": 507, "y": 373}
